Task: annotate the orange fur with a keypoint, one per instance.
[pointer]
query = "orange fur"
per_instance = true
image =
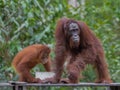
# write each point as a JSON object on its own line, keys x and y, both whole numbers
{"x": 29, "y": 57}
{"x": 87, "y": 51}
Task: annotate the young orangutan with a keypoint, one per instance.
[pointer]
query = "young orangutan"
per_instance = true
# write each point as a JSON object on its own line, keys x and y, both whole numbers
{"x": 29, "y": 57}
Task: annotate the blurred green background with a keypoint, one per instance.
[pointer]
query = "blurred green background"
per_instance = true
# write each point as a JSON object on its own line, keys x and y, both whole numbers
{"x": 26, "y": 22}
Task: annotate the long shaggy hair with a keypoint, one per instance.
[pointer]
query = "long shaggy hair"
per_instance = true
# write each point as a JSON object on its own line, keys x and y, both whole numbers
{"x": 88, "y": 51}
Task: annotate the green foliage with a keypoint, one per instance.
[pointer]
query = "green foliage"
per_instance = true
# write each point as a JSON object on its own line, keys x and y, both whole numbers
{"x": 105, "y": 23}
{"x": 25, "y": 22}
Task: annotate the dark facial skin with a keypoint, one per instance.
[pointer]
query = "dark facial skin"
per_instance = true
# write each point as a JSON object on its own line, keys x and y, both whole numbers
{"x": 73, "y": 29}
{"x": 74, "y": 33}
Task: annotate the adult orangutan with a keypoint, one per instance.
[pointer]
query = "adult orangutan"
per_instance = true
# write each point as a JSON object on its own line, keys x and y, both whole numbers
{"x": 75, "y": 40}
{"x": 29, "y": 57}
